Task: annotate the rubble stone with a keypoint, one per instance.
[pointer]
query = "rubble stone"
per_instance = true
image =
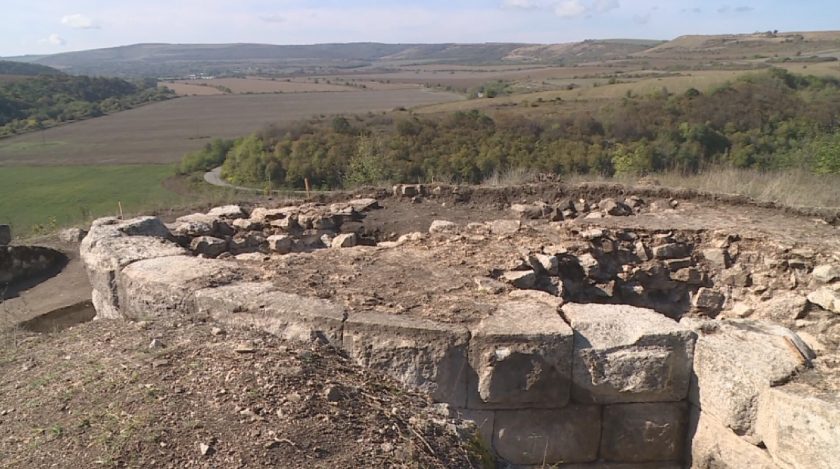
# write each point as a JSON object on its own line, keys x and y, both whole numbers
{"x": 718, "y": 258}
{"x": 282, "y": 244}
{"x": 347, "y": 240}
{"x": 230, "y": 212}
{"x": 521, "y": 278}
{"x": 443, "y": 226}
{"x": 208, "y": 246}
{"x": 504, "y": 227}
{"x": 826, "y": 273}
{"x": 827, "y": 298}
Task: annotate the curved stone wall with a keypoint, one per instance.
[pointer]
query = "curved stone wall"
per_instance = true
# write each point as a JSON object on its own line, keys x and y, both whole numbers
{"x": 576, "y": 385}
{"x": 28, "y": 264}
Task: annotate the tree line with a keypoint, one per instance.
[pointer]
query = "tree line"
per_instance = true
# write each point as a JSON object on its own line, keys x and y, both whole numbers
{"x": 47, "y": 99}
{"x": 767, "y": 120}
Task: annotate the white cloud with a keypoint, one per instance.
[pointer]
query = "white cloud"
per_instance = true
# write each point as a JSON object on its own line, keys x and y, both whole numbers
{"x": 641, "y": 19}
{"x": 603, "y": 6}
{"x": 569, "y": 9}
{"x": 520, "y": 4}
{"x": 744, "y": 9}
{"x": 79, "y": 21}
{"x": 54, "y": 39}
{"x": 272, "y": 18}
{"x": 576, "y": 8}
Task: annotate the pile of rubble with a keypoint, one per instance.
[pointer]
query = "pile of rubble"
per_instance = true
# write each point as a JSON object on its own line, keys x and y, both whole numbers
{"x": 230, "y": 231}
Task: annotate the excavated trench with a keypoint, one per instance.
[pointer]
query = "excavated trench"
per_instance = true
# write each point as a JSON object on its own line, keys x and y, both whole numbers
{"x": 572, "y": 335}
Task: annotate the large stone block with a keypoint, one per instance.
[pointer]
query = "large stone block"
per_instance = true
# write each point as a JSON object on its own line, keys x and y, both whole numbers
{"x": 522, "y": 355}
{"x": 713, "y": 446}
{"x": 628, "y": 354}
{"x": 801, "y": 426}
{"x": 262, "y": 306}
{"x": 417, "y": 352}
{"x": 113, "y": 244}
{"x": 644, "y": 432}
{"x": 735, "y": 361}
{"x": 159, "y": 287}
{"x": 568, "y": 435}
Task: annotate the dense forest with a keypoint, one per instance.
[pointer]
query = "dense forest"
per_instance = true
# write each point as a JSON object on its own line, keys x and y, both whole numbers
{"x": 48, "y": 99}
{"x": 766, "y": 120}
{"x": 8, "y": 67}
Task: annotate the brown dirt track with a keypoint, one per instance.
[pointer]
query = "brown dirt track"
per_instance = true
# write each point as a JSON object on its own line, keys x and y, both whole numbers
{"x": 163, "y": 132}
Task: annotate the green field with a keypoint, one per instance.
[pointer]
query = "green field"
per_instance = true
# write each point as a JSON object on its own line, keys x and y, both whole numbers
{"x": 31, "y": 146}
{"x": 62, "y": 195}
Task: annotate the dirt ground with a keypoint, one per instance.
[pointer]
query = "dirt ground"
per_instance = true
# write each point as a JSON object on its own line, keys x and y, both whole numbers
{"x": 97, "y": 395}
{"x": 163, "y": 132}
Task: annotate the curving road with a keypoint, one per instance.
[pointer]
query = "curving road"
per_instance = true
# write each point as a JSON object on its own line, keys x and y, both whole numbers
{"x": 214, "y": 177}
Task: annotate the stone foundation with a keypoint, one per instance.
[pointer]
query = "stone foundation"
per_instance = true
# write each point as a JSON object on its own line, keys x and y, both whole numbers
{"x": 572, "y": 385}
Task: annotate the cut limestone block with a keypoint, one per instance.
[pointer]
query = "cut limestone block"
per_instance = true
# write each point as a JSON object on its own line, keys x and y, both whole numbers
{"x": 568, "y": 435}
{"x": 522, "y": 354}
{"x": 735, "y": 361}
{"x": 158, "y": 287}
{"x": 628, "y": 354}
{"x": 419, "y": 353}
{"x": 113, "y": 244}
{"x": 800, "y": 426}
{"x": 263, "y": 306}
{"x": 644, "y": 432}
{"x": 713, "y": 446}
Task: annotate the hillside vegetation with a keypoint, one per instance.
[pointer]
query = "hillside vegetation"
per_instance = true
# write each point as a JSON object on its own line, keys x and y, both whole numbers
{"x": 23, "y": 69}
{"x": 765, "y": 120}
{"x": 53, "y": 98}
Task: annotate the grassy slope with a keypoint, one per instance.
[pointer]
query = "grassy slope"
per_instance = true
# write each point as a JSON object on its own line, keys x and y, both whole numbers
{"x": 32, "y": 195}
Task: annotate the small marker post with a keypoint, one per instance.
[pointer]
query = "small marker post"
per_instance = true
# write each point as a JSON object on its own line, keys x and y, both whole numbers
{"x": 121, "y": 212}
{"x": 306, "y": 182}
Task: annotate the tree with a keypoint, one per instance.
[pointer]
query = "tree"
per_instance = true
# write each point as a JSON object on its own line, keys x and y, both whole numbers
{"x": 341, "y": 125}
{"x": 692, "y": 93}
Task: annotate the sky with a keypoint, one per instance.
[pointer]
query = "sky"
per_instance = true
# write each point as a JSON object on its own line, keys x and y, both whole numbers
{"x": 52, "y": 26}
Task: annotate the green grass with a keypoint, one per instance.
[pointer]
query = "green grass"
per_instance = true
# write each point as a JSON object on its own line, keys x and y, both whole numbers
{"x": 63, "y": 195}
{"x": 27, "y": 146}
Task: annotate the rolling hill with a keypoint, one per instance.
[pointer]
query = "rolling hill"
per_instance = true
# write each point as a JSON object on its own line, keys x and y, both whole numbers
{"x": 216, "y": 59}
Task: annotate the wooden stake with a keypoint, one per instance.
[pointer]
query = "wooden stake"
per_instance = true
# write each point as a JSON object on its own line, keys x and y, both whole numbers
{"x": 121, "y": 213}
{"x": 306, "y": 182}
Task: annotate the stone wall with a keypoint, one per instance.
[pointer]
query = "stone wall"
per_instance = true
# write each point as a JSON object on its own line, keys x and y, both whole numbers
{"x": 28, "y": 263}
{"x": 577, "y": 385}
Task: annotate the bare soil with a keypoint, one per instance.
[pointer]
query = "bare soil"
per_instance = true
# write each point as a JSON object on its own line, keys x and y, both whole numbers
{"x": 97, "y": 395}
{"x": 163, "y": 132}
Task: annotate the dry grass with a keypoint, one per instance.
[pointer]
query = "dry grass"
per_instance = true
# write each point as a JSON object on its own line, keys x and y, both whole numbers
{"x": 256, "y": 85}
{"x": 793, "y": 187}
